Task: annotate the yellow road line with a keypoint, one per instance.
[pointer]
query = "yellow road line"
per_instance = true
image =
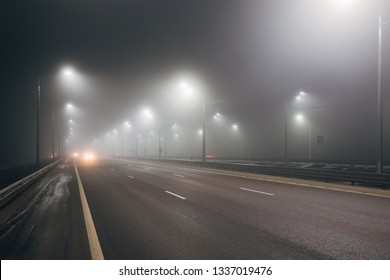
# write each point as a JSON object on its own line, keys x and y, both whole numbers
{"x": 94, "y": 244}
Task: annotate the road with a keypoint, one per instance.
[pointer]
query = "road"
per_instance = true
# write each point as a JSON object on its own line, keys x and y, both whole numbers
{"x": 143, "y": 210}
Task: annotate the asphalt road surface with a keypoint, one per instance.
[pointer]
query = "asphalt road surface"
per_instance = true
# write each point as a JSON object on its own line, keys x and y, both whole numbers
{"x": 142, "y": 210}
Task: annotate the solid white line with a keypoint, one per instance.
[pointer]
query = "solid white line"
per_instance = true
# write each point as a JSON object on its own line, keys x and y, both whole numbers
{"x": 131, "y": 177}
{"x": 94, "y": 244}
{"x": 178, "y": 175}
{"x": 171, "y": 193}
{"x": 249, "y": 190}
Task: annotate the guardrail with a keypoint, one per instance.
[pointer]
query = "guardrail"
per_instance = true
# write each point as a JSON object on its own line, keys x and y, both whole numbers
{"x": 352, "y": 177}
{"x": 8, "y": 193}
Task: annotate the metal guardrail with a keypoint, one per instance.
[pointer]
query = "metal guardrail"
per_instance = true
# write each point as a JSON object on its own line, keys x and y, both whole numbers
{"x": 352, "y": 177}
{"x": 8, "y": 193}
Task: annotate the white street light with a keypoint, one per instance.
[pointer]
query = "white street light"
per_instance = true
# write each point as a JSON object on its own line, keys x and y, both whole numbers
{"x": 68, "y": 71}
{"x": 236, "y": 129}
{"x": 38, "y": 122}
{"x": 299, "y": 117}
{"x": 186, "y": 88}
{"x": 127, "y": 124}
{"x": 189, "y": 90}
{"x": 379, "y": 117}
{"x": 298, "y": 98}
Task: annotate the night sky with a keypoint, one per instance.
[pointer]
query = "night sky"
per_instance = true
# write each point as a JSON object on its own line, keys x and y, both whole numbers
{"x": 248, "y": 58}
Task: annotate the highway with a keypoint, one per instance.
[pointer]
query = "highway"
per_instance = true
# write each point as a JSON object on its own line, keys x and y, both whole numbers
{"x": 142, "y": 210}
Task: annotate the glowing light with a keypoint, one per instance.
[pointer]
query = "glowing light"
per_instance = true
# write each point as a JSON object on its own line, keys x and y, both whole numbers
{"x": 217, "y": 115}
{"x": 88, "y": 156}
{"x": 68, "y": 71}
{"x": 127, "y": 125}
{"x": 211, "y": 156}
{"x": 186, "y": 88}
{"x": 299, "y": 117}
{"x": 147, "y": 113}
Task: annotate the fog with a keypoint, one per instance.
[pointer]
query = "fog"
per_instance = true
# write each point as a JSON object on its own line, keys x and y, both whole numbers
{"x": 247, "y": 59}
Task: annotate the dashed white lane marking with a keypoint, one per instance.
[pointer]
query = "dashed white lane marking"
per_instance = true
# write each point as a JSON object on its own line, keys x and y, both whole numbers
{"x": 178, "y": 175}
{"x": 249, "y": 190}
{"x": 131, "y": 177}
{"x": 146, "y": 168}
{"x": 179, "y": 196}
{"x": 94, "y": 244}
{"x": 112, "y": 169}
{"x": 276, "y": 181}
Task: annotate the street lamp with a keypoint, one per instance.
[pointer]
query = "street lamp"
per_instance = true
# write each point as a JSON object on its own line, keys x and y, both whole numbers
{"x": 379, "y": 117}
{"x": 38, "y": 120}
{"x": 301, "y": 118}
{"x": 379, "y": 99}
{"x": 69, "y": 106}
{"x": 126, "y": 127}
{"x": 189, "y": 90}
{"x": 163, "y": 135}
{"x": 236, "y": 128}
{"x": 297, "y": 98}
{"x": 67, "y": 71}
{"x": 145, "y": 117}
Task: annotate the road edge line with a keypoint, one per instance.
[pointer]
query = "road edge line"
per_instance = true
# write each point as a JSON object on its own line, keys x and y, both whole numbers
{"x": 93, "y": 239}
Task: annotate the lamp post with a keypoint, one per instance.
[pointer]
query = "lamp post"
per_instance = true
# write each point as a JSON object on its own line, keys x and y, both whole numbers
{"x": 285, "y": 133}
{"x": 235, "y": 127}
{"x": 126, "y": 128}
{"x": 144, "y": 117}
{"x": 379, "y": 156}
{"x": 38, "y": 121}
{"x": 297, "y": 98}
{"x": 163, "y": 135}
{"x": 204, "y": 130}
{"x": 188, "y": 90}
{"x": 52, "y": 137}
{"x": 379, "y": 110}
{"x": 67, "y": 71}
{"x": 301, "y": 118}
{"x": 159, "y": 142}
